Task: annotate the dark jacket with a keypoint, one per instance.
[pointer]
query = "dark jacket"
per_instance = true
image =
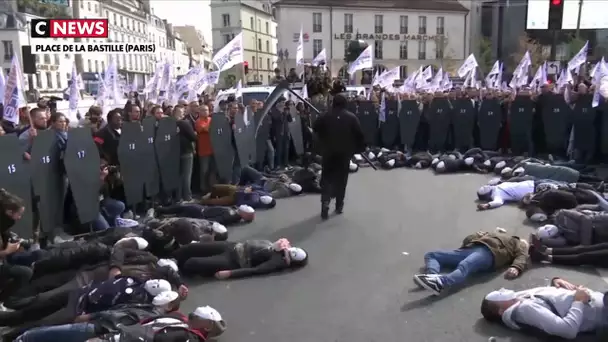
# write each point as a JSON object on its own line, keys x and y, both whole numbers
{"x": 280, "y": 124}
{"x": 257, "y": 257}
{"x": 173, "y": 327}
{"x": 109, "y": 144}
{"x": 187, "y": 136}
{"x": 339, "y": 133}
{"x": 125, "y": 314}
{"x": 507, "y": 249}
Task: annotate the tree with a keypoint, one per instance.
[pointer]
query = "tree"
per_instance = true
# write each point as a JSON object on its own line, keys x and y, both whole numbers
{"x": 575, "y": 44}
{"x": 444, "y": 54}
{"x": 537, "y": 52}
{"x": 484, "y": 55}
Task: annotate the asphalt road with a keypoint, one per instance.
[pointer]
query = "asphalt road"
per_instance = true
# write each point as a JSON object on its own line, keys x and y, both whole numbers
{"x": 358, "y": 285}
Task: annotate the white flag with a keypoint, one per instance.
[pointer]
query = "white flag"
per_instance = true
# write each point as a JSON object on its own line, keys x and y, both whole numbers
{"x": 469, "y": 64}
{"x": 74, "y": 96}
{"x": 300, "y": 49}
{"x": 230, "y": 55}
{"x": 364, "y": 61}
{"x": 13, "y": 93}
{"x": 321, "y": 58}
{"x": 579, "y": 58}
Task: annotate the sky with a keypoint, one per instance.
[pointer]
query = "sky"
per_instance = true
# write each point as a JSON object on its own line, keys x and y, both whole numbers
{"x": 185, "y": 12}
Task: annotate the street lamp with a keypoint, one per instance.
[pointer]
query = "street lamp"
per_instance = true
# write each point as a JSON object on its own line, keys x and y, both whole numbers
{"x": 283, "y": 56}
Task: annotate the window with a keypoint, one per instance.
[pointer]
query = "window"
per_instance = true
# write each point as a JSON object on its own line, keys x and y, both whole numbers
{"x": 8, "y": 50}
{"x": 49, "y": 80}
{"x": 96, "y": 8}
{"x": 103, "y": 65}
{"x": 260, "y": 63}
{"x": 268, "y": 63}
{"x": 259, "y": 44}
{"x": 378, "y": 23}
{"x": 439, "y": 47}
{"x": 422, "y": 25}
{"x": 403, "y": 72}
{"x": 226, "y": 39}
{"x": 267, "y": 28}
{"x": 317, "y": 24}
{"x": 440, "y": 25}
{"x": 253, "y": 63}
{"x": 403, "y": 23}
{"x": 267, "y": 46}
{"x": 403, "y": 50}
{"x": 121, "y": 21}
{"x": 317, "y": 46}
{"x": 377, "y": 49}
{"x": 130, "y": 62}
{"x": 96, "y": 66}
{"x": 348, "y": 23}
{"x": 114, "y": 17}
{"x": 57, "y": 59}
{"x": 251, "y": 23}
{"x": 346, "y": 44}
{"x": 259, "y": 28}
{"x": 89, "y": 69}
{"x": 38, "y": 81}
{"x": 89, "y": 6}
{"x": 226, "y": 20}
{"x": 47, "y": 59}
{"x": 422, "y": 49}
{"x": 58, "y": 76}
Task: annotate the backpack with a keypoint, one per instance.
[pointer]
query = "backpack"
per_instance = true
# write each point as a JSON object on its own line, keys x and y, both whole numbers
{"x": 146, "y": 330}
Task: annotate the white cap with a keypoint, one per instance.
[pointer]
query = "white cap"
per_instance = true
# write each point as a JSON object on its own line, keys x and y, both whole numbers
{"x": 519, "y": 171}
{"x": 126, "y": 223}
{"x": 435, "y": 161}
{"x": 157, "y": 286}
{"x": 469, "y": 161}
{"x": 167, "y": 262}
{"x": 358, "y": 157}
{"x": 246, "y": 209}
{"x": 418, "y": 165}
{"x": 451, "y": 156}
{"x": 352, "y": 166}
{"x": 485, "y": 189}
{"x": 487, "y": 163}
{"x": 218, "y": 228}
{"x": 266, "y": 199}
{"x": 506, "y": 171}
{"x": 164, "y": 298}
{"x": 500, "y": 164}
{"x": 384, "y": 149}
{"x": 208, "y": 313}
{"x": 296, "y": 254}
{"x": 379, "y": 154}
{"x": 547, "y": 231}
{"x": 295, "y": 187}
{"x": 391, "y": 162}
{"x": 141, "y": 242}
{"x": 440, "y": 166}
{"x": 370, "y": 155}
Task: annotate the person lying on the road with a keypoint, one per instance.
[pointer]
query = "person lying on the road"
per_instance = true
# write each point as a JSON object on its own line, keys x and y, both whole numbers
{"x": 561, "y": 310}
{"x": 420, "y": 160}
{"x": 279, "y": 187}
{"x": 223, "y": 215}
{"x": 64, "y": 308}
{"x": 185, "y": 229}
{"x": 545, "y": 202}
{"x": 561, "y": 173}
{"x": 471, "y": 160}
{"x": 589, "y": 255}
{"x": 229, "y": 195}
{"x": 573, "y": 227}
{"x": 392, "y": 160}
{"x": 239, "y": 259}
{"x": 497, "y": 195}
{"x": 500, "y": 162}
{"x": 480, "y": 252}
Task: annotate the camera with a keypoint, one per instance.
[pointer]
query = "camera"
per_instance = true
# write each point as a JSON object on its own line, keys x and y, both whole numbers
{"x": 25, "y": 243}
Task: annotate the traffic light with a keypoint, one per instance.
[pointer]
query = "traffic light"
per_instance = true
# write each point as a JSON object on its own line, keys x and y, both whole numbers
{"x": 246, "y": 67}
{"x": 355, "y": 47}
{"x": 556, "y": 13}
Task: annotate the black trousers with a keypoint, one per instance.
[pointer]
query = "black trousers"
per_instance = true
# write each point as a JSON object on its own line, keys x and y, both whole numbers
{"x": 593, "y": 255}
{"x": 206, "y": 258}
{"x": 334, "y": 178}
{"x": 12, "y": 278}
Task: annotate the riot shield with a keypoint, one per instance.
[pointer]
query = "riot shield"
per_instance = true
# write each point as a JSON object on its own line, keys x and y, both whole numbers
{"x": 439, "y": 123}
{"x": 221, "y": 140}
{"x": 604, "y": 129}
{"x": 48, "y": 180}
{"x": 368, "y": 118}
{"x": 295, "y": 131}
{"x": 352, "y": 106}
{"x": 583, "y": 121}
{"x": 167, "y": 148}
{"x": 489, "y": 120}
{"x": 521, "y": 119}
{"x": 81, "y": 160}
{"x": 152, "y": 180}
{"x": 16, "y": 179}
{"x": 242, "y": 139}
{"x": 389, "y": 130}
{"x": 409, "y": 119}
{"x": 463, "y": 121}
{"x": 131, "y": 158}
{"x": 556, "y": 122}
{"x": 250, "y": 130}
{"x": 263, "y": 135}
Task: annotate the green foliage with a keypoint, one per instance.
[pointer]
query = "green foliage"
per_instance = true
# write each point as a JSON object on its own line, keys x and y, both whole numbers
{"x": 575, "y": 45}
{"x": 45, "y": 10}
{"x": 484, "y": 55}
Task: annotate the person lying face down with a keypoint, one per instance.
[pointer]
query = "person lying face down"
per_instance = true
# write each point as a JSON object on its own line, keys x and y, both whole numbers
{"x": 392, "y": 160}
{"x": 547, "y": 200}
{"x": 280, "y": 187}
{"x": 560, "y": 310}
{"x": 497, "y": 195}
{"x": 581, "y": 255}
{"x": 573, "y": 227}
{"x": 239, "y": 259}
{"x": 223, "y": 215}
{"x": 562, "y": 173}
{"x": 479, "y": 252}
{"x": 90, "y": 299}
{"x": 229, "y": 195}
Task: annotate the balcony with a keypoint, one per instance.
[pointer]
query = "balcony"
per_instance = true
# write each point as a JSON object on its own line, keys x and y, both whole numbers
{"x": 41, "y": 9}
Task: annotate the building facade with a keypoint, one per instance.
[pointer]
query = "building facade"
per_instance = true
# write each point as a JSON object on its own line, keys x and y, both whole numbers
{"x": 404, "y": 34}
{"x": 177, "y": 50}
{"x": 157, "y": 34}
{"x": 197, "y": 48}
{"x": 255, "y": 20}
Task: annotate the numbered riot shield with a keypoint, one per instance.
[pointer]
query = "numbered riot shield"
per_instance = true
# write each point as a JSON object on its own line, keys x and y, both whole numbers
{"x": 131, "y": 159}
{"x": 489, "y": 120}
{"x": 521, "y": 119}
{"x": 556, "y": 122}
{"x": 261, "y": 139}
{"x": 82, "y": 162}
{"x": 583, "y": 121}
{"x": 368, "y": 118}
{"x": 15, "y": 178}
{"x": 389, "y": 130}
{"x": 409, "y": 119}
{"x": 168, "y": 154}
{"x": 242, "y": 139}
{"x": 295, "y": 131}
{"x": 48, "y": 180}
{"x": 463, "y": 121}
{"x": 152, "y": 180}
{"x": 439, "y": 123}
{"x": 221, "y": 140}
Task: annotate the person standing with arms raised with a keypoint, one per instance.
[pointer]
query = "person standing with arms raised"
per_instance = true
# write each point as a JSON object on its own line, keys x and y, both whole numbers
{"x": 340, "y": 136}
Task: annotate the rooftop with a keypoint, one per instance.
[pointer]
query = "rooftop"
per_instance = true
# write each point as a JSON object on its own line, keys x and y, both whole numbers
{"x": 421, "y": 5}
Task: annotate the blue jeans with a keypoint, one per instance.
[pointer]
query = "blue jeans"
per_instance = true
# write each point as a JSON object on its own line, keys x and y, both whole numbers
{"x": 466, "y": 262}
{"x": 76, "y": 332}
{"x": 26, "y": 258}
{"x": 110, "y": 209}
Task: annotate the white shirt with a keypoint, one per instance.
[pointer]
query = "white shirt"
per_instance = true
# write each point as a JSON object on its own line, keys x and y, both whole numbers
{"x": 510, "y": 192}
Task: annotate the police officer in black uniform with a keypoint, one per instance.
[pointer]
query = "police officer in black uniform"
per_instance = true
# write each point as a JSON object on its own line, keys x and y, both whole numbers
{"x": 340, "y": 136}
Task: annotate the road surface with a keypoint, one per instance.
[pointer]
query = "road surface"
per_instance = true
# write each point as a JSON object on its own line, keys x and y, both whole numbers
{"x": 358, "y": 284}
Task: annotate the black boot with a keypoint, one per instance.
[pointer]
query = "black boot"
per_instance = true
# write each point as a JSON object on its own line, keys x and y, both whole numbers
{"x": 339, "y": 207}
{"x": 325, "y": 210}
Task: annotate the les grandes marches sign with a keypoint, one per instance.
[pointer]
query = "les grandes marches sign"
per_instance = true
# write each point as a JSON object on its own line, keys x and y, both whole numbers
{"x": 385, "y": 36}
